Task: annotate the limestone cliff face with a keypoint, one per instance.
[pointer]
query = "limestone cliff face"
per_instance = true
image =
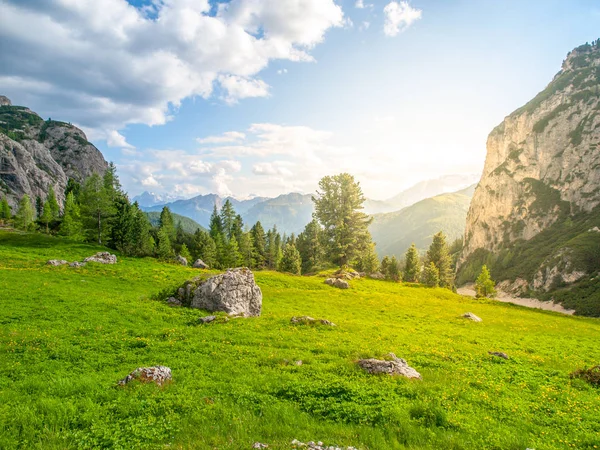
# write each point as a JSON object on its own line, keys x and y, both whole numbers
{"x": 543, "y": 160}
{"x": 36, "y": 154}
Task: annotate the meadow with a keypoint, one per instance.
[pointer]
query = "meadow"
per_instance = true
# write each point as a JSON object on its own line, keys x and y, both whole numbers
{"x": 68, "y": 335}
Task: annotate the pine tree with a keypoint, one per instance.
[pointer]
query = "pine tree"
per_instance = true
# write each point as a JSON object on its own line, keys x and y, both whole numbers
{"x": 46, "y": 217}
{"x": 5, "y": 210}
{"x": 112, "y": 183}
{"x": 121, "y": 231}
{"x": 310, "y": 247}
{"x": 216, "y": 225}
{"x": 246, "y": 250}
{"x": 393, "y": 272}
{"x": 39, "y": 206}
{"x": 367, "y": 260}
{"x": 385, "y": 265}
{"x": 166, "y": 222}
{"x": 141, "y": 240}
{"x": 52, "y": 204}
{"x": 205, "y": 248}
{"x": 25, "y": 214}
{"x": 237, "y": 229}
{"x": 431, "y": 275}
{"x": 259, "y": 244}
{"x": 164, "y": 250}
{"x": 71, "y": 225}
{"x": 74, "y": 187}
{"x": 96, "y": 206}
{"x": 291, "y": 261}
{"x": 184, "y": 252}
{"x": 231, "y": 257}
{"x": 438, "y": 255}
{"x": 412, "y": 265}
{"x": 228, "y": 219}
{"x": 273, "y": 249}
{"x": 484, "y": 285}
{"x": 337, "y": 208}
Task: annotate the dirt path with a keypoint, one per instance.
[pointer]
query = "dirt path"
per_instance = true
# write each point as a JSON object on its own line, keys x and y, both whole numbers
{"x": 469, "y": 290}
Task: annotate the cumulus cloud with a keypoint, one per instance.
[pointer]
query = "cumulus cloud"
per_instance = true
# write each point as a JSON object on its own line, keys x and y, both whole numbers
{"x": 108, "y": 63}
{"x": 227, "y": 137}
{"x": 116, "y": 139}
{"x": 399, "y": 16}
{"x": 360, "y": 4}
{"x": 274, "y": 168}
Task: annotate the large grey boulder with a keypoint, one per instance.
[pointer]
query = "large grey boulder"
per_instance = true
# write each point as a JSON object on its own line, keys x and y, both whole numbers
{"x": 102, "y": 258}
{"x": 234, "y": 292}
{"x": 199, "y": 264}
{"x": 393, "y": 366}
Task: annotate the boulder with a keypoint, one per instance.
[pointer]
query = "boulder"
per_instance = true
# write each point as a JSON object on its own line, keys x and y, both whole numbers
{"x": 348, "y": 274}
{"x": 394, "y": 366}
{"x": 102, "y": 258}
{"x": 57, "y": 262}
{"x": 199, "y": 264}
{"x": 471, "y": 316}
{"x": 309, "y": 320}
{"x": 234, "y": 292}
{"x": 259, "y": 445}
{"x": 174, "y": 301}
{"x": 207, "y": 319}
{"x": 499, "y": 354}
{"x": 377, "y": 276}
{"x": 181, "y": 260}
{"x": 155, "y": 374}
{"x": 337, "y": 282}
{"x": 77, "y": 264}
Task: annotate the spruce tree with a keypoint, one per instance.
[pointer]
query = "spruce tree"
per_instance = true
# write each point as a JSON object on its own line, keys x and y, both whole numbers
{"x": 484, "y": 285}
{"x": 25, "y": 214}
{"x": 184, "y": 252}
{"x": 39, "y": 206}
{"x": 385, "y": 265}
{"x": 367, "y": 260}
{"x": 74, "y": 187}
{"x": 166, "y": 222}
{"x": 121, "y": 232}
{"x": 5, "y": 210}
{"x": 438, "y": 255}
{"x": 228, "y": 217}
{"x": 52, "y": 204}
{"x": 231, "y": 257}
{"x": 71, "y": 225}
{"x": 412, "y": 265}
{"x": 96, "y": 208}
{"x": 291, "y": 261}
{"x": 46, "y": 217}
{"x": 431, "y": 275}
{"x": 338, "y": 207}
{"x": 216, "y": 225}
{"x": 205, "y": 248}
{"x": 142, "y": 241}
{"x": 164, "y": 250}
{"x": 259, "y": 244}
{"x": 246, "y": 249}
{"x": 310, "y": 246}
{"x": 393, "y": 272}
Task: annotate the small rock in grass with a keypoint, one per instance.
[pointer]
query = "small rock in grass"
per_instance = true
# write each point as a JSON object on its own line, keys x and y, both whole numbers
{"x": 310, "y": 320}
{"x": 298, "y": 363}
{"x": 174, "y": 301}
{"x": 199, "y": 264}
{"x": 337, "y": 282}
{"x": 499, "y": 354}
{"x": 57, "y": 262}
{"x": 77, "y": 264}
{"x": 259, "y": 445}
{"x": 102, "y": 258}
{"x": 471, "y": 316}
{"x": 154, "y": 374}
{"x": 181, "y": 260}
{"x": 207, "y": 319}
{"x": 395, "y": 366}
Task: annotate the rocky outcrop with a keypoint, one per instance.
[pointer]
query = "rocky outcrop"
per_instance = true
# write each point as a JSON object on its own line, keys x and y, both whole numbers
{"x": 391, "y": 366}
{"x": 155, "y": 374}
{"x": 542, "y": 169}
{"x": 36, "y": 154}
{"x": 234, "y": 292}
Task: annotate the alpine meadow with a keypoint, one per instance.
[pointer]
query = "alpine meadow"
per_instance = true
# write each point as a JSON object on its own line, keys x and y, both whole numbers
{"x": 282, "y": 224}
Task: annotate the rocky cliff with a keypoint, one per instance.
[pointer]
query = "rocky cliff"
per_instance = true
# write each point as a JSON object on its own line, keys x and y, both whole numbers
{"x": 36, "y": 154}
{"x": 542, "y": 171}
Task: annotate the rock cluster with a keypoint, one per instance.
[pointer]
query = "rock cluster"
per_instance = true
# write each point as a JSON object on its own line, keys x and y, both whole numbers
{"x": 155, "y": 374}
{"x": 393, "y": 366}
{"x": 102, "y": 258}
{"x": 471, "y": 316}
{"x": 234, "y": 292}
{"x": 302, "y": 320}
{"x": 318, "y": 446}
{"x": 57, "y": 262}
{"x": 337, "y": 282}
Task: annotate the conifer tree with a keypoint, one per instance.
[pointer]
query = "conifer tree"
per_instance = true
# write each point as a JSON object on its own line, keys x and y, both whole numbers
{"x": 25, "y": 214}
{"x": 431, "y": 275}
{"x": 310, "y": 247}
{"x": 291, "y": 261}
{"x": 52, "y": 204}
{"x": 273, "y": 248}
{"x": 74, "y": 187}
{"x": 39, "y": 206}
{"x": 484, "y": 285}
{"x": 338, "y": 207}
{"x": 166, "y": 222}
{"x": 216, "y": 225}
{"x": 142, "y": 241}
{"x": 46, "y": 217}
{"x": 385, "y": 265}
{"x": 96, "y": 208}
{"x": 367, "y": 260}
{"x": 237, "y": 229}
{"x": 5, "y": 210}
{"x": 438, "y": 255}
{"x": 259, "y": 245}
{"x": 393, "y": 272}
{"x": 71, "y": 225}
{"x": 412, "y": 265}
{"x": 246, "y": 250}
{"x": 184, "y": 252}
{"x": 121, "y": 231}
{"x": 231, "y": 257}
{"x": 164, "y": 250}
{"x": 205, "y": 248}
{"x": 227, "y": 219}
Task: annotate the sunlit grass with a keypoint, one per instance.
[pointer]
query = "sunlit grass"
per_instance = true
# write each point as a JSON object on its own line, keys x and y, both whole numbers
{"x": 68, "y": 335}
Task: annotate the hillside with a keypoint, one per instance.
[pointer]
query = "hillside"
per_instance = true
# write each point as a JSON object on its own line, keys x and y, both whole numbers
{"x": 235, "y": 383}
{"x": 188, "y": 225}
{"x": 395, "y": 232}
{"x": 36, "y": 154}
{"x": 289, "y": 213}
{"x": 536, "y": 206}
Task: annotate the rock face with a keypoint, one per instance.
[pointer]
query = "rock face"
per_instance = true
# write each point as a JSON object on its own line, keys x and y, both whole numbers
{"x": 102, "y": 258}
{"x": 542, "y": 169}
{"x": 394, "y": 366}
{"x": 155, "y": 374}
{"x": 234, "y": 292}
{"x": 36, "y": 154}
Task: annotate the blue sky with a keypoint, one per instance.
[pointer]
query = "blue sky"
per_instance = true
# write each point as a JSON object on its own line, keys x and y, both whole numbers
{"x": 268, "y": 96}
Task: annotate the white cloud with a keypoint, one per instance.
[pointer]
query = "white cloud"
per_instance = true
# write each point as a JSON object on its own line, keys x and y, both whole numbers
{"x": 116, "y": 64}
{"x": 399, "y": 16}
{"x": 364, "y": 26}
{"x": 227, "y": 137}
{"x": 360, "y": 4}
{"x": 282, "y": 71}
{"x": 116, "y": 139}
{"x": 274, "y": 168}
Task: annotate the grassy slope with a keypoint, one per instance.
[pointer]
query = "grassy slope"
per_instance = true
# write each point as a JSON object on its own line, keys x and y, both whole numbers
{"x": 395, "y": 232}
{"x": 67, "y": 335}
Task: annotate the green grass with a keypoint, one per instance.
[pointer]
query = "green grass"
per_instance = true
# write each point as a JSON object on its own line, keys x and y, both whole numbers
{"x": 68, "y": 335}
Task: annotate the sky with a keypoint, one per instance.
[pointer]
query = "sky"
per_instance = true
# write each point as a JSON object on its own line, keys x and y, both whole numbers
{"x": 264, "y": 97}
